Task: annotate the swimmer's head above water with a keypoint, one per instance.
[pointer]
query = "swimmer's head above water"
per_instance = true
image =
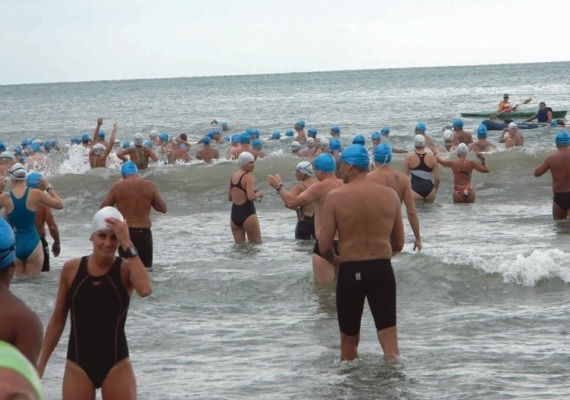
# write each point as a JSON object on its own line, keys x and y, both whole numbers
{"x": 18, "y": 377}
{"x": 462, "y": 150}
{"x": 419, "y": 142}
{"x": 7, "y": 245}
{"x": 562, "y": 139}
{"x": 99, "y": 224}
{"x": 129, "y": 168}
{"x": 383, "y": 154}
{"x": 245, "y": 159}
{"x": 305, "y": 168}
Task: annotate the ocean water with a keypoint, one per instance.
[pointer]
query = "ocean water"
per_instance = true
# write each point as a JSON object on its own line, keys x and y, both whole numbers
{"x": 482, "y": 310}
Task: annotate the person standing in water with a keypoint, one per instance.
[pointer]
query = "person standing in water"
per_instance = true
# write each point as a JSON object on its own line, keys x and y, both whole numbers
{"x": 305, "y": 229}
{"x": 243, "y": 221}
{"x": 21, "y": 204}
{"x": 100, "y": 151}
{"x": 463, "y": 191}
{"x": 139, "y": 154}
{"x": 559, "y": 165}
{"x": 367, "y": 218}
{"x": 96, "y": 291}
{"x": 422, "y": 166}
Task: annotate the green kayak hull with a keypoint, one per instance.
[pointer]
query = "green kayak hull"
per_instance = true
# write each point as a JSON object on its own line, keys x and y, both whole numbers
{"x": 512, "y": 115}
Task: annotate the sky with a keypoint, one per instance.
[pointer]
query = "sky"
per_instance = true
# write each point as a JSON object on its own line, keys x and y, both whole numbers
{"x": 79, "y": 40}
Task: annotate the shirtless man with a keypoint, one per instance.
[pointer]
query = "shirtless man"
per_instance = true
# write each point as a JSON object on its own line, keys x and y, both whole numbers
{"x": 100, "y": 152}
{"x": 512, "y": 136}
{"x": 256, "y": 148}
{"x": 482, "y": 143}
{"x": 559, "y": 165}
{"x": 421, "y": 130}
{"x": 325, "y": 167}
{"x": 244, "y": 140}
{"x": 98, "y": 134}
{"x": 310, "y": 150}
{"x": 368, "y": 219}
{"x": 6, "y": 161}
{"x": 134, "y": 197}
{"x": 207, "y": 153}
{"x": 463, "y": 191}
{"x": 300, "y": 129}
{"x": 422, "y": 166}
{"x": 385, "y": 175}
{"x": 44, "y": 216}
{"x": 295, "y": 148}
{"x": 447, "y": 142}
{"x": 180, "y": 149}
{"x": 19, "y": 325}
{"x": 139, "y": 154}
{"x": 459, "y": 135}
{"x": 305, "y": 229}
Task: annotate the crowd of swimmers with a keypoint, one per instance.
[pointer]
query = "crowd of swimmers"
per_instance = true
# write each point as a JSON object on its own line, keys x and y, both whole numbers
{"x": 348, "y": 200}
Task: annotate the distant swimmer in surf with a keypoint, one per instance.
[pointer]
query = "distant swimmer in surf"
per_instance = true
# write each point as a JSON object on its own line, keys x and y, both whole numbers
{"x": 207, "y": 153}
{"x": 559, "y": 165}
{"x": 100, "y": 151}
{"x": 300, "y": 129}
{"x": 511, "y": 136}
{"x": 482, "y": 143}
{"x": 463, "y": 191}
{"x": 325, "y": 167}
{"x": 385, "y": 175}
{"x": 421, "y": 130}
{"x": 447, "y": 146}
{"x": 367, "y": 218}
{"x": 179, "y": 149}
{"x": 459, "y": 135}
{"x": 242, "y": 193}
{"x": 422, "y": 166}
{"x": 305, "y": 229}
{"x": 139, "y": 154}
{"x": 543, "y": 115}
{"x": 257, "y": 149}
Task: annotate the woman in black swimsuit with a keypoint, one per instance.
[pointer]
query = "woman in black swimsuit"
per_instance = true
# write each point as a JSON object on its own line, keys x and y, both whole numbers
{"x": 96, "y": 290}
{"x": 244, "y": 221}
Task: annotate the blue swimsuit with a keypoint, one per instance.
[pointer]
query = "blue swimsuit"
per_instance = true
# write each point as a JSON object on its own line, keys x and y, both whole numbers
{"x": 24, "y": 223}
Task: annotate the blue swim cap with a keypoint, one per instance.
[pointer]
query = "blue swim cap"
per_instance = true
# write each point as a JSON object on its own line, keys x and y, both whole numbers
{"x": 102, "y": 134}
{"x": 376, "y": 136}
{"x": 356, "y": 155}
{"x": 126, "y": 144}
{"x": 482, "y": 130}
{"x": 224, "y": 125}
{"x": 300, "y": 123}
{"x": 383, "y": 154}
{"x": 244, "y": 138}
{"x": 255, "y": 134}
{"x": 147, "y": 143}
{"x": 257, "y": 144}
{"x": 359, "y": 139}
{"x": 553, "y": 123}
{"x": 2, "y": 146}
{"x": 335, "y": 129}
{"x": 275, "y": 135}
{"x": 421, "y": 126}
{"x": 250, "y": 131}
{"x": 85, "y": 137}
{"x": 76, "y": 140}
{"x": 163, "y": 137}
{"x": 129, "y": 168}
{"x": 236, "y": 138}
{"x": 48, "y": 144}
{"x": 312, "y": 132}
{"x": 385, "y": 131}
{"x": 289, "y": 133}
{"x": 35, "y": 147}
{"x": 458, "y": 123}
{"x": 563, "y": 139}
{"x": 334, "y": 145}
{"x": 18, "y": 150}
{"x": 325, "y": 163}
{"x": 33, "y": 179}
{"x": 7, "y": 244}
{"x": 206, "y": 140}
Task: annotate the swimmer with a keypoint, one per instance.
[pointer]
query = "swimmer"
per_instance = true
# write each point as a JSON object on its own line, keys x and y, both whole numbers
{"x": 243, "y": 221}
{"x": 179, "y": 150}
{"x": 482, "y": 144}
{"x": 6, "y": 161}
{"x": 421, "y": 130}
{"x": 235, "y": 142}
{"x": 18, "y": 377}
{"x": 310, "y": 150}
{"x": 98, "y": 134}
{"x": 21, "y": 204}
{"x": 359, "y": 139}
{"x": 367, "y": 218}
{"x": 135, "y": 197}
{"x": 289, "y": 133}
{"x": 305, "y": 229}
{"x": 19, "y": 325}
{"x": 138, "y": 154}
{"x": 207, "y": 153}
{"x": 96, "y": 291}
{"x": 36, "y": 158}
{"x": 257, "y": 146}
{"x": 44, "y": 217}
{"x": 335, "y": 148}
{"x": 99, "y": 153}
{"x": 385, "y": 175}
{"x": 325, "y": 168}
{"x": 376, "y": 140}
{"x": 448, "y": 145}
{"x": 300, "y": 129}
{"x": 385, "y": 132}
{"x": 295, "y": 148}
{"x": 463, "y": 191}
{"x": 86, "y": 141}
{"x": 459, "y": 135}
{"x": 335, "y": 131}
{"x": 511, "y": 136}
{"x": 276, "y": 135}
{"x": 244, "y": 140}
{"x": 559, "y": 165}
{"x": 422, "y": 166}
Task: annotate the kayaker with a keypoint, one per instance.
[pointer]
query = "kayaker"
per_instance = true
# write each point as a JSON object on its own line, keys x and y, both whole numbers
{"x": 543, "y": 115}
{"x": 505, "y": 106}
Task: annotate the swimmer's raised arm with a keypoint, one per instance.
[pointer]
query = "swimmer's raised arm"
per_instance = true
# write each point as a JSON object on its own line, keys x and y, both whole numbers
{"x": 96, "y": 130}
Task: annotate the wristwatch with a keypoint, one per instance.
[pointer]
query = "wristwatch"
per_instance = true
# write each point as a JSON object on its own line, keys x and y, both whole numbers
{"x": 130, "y": 252}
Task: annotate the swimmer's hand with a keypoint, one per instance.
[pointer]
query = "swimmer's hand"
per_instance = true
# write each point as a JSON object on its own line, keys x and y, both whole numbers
{"x": 121, "y": 230}
{"x": 55, "y": 249}
{"x": 273, "y": 180}
{"x": 480, "y": 156}
{"x": 99, "y": 121}
{"x": 418, "y": 244}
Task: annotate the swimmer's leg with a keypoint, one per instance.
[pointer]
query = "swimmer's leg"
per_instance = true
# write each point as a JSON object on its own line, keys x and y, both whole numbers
{"x": 349, "y": 347}
{"x": 558, "y": 213}
{"x": 76, "y": 383}
{"x": 252, "y": 229}
{"x": 35, "y": 262}
{"x": 431, "y": 196}
{"x": 323, "y": 271}
{"x": 120, "y": 383}
{"x": 238, "y": 233}
{"x": 388, "y": 339}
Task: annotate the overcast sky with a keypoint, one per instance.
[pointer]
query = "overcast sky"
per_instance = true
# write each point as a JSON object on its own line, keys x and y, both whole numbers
{"x": 77, "y": 40}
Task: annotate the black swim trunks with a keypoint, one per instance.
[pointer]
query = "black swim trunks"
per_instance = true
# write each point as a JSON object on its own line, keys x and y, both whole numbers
{"x": 317, "y": 251}
{"x": 371, "y": 279}
{"x": 562, "y": 200}
{"x": 45, "y": 246}
{"x": 142, "y": 239}
{"x": 305, "y": 228}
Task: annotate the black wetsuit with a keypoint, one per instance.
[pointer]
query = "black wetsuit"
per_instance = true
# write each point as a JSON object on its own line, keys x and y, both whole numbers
{"x": 142, "y": 240}
{"x": 98, "y": 306}
{"x": 371, "y": 279}
{"x": 421, "y": 177}
{"x": 562, "y": 200}
{"x": 45, "y": 246}
{"x": 305, "y": 229}
{"x": 243, "y": 211}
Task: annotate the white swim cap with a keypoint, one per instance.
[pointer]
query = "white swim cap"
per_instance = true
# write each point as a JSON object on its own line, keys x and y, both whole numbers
{"x": 324, "y": 143}
{"x": 420, "y": 141}
{"x": 447, "y": 135}
{"x": 17, "y": 172}
{"x": 462, "y": 150}
{"x": 138, "y": 139}
{"x": 99, "y": 148}
{"x": 513, "y": 125}
{"x": 311, "y": 140}
{"x": 295, "y": 145}
{"x": 7, "y": 154}
{"x": 305, "y": 167}
{"x": 99, "y": 224}
{"x": 245, "y": 158}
